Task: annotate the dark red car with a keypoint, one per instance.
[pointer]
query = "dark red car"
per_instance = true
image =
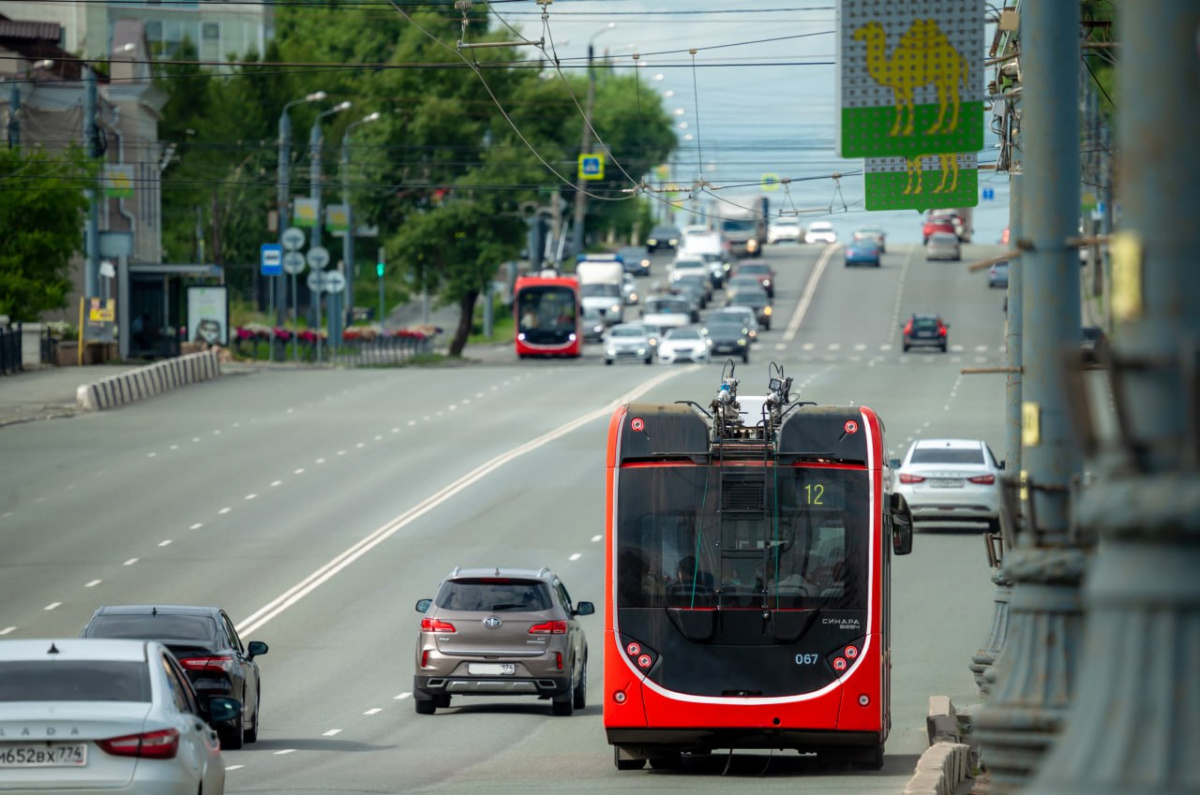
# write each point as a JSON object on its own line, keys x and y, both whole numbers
{"x": 938, "y": 223}
{"x": 761, "y": 270}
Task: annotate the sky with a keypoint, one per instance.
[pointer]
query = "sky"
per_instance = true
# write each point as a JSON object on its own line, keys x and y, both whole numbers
{"x": 760, "y": 100}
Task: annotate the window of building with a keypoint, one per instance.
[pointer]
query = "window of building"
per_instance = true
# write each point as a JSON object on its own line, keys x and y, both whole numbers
{"x": 211, "y": 31}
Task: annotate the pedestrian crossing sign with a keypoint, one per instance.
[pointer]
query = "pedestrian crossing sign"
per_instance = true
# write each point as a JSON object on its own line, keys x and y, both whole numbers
{"x": 591, "y": 166}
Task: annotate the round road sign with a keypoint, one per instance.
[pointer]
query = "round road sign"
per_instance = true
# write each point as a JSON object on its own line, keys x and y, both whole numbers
{"x": 292, "y": 238}
{"x": 318, "y": 257}
{"x": 316, "y": 281}
{"x": 293, "y": 262}
{"x": 335, "y": 281}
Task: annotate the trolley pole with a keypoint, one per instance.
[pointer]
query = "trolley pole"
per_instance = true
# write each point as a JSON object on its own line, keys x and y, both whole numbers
{"x": 1132, "y": 727}
{"x": 1036, "y": 670}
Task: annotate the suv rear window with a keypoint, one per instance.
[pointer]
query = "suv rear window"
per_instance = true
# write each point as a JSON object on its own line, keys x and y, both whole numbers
{"x": 951, "y": 455}
{"x": 74, "y": 680}
{"x": 146, "y": 627}
{"x": 493, "y": 594}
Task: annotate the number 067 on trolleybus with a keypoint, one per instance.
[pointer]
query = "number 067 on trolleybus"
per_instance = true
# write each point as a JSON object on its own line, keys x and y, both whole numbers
{"x": 748, "y": 563}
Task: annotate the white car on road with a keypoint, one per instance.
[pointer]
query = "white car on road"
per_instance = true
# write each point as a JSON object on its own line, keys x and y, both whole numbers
{"x": 783, "y": 230}
{"x": 105, "y": 715}
{"x": 686, "y": 344}
{"x": 820, "y": 232}
{"x": 950, "y": 480}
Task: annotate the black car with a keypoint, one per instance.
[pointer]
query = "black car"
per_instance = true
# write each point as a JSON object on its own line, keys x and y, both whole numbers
{"x": 635, "y": 260}
{"x": 729, "y": 338}
{"x": 208, "y": 648}
{"x": 1093, "y": 338}
{"x": 593, "y": 325}
{"x": 694, "y": 286}
{"x": 662, "y": 237}
{"x": 926, "y": 331}
{"x": 756, "y": 300}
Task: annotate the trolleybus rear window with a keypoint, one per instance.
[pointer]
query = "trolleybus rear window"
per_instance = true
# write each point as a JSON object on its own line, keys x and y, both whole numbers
{"x": 704, "y": 537}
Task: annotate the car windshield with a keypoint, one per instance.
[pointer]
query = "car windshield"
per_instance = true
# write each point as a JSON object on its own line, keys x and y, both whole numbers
{"x": 602, "y": 290}
{"x": 689, "y": 264}
{"x": 754, "y": 270}
{"x": 494, "y": 594}
{"x": 947, "y": 455}
{"x": 74, "y": 680}
{"x": 749, "y": 299}
{"x": 820, "y": 227}
{"x": 627, "y": 331}
{"x": 924, "y": 323}
{"x": 663, "y": 307}
{"x": 664, "y": 231}
{"x": 158, "y": 627}
{"x": 726, "y": 329}
{"x": 683, "y": 334}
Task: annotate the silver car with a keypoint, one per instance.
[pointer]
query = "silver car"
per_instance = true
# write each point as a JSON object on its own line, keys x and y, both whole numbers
{"x": 943, "y": 245}
{"x": 628, "y": 341}
{"x": 950, "y": 480}
{"x": 82, "y": 716}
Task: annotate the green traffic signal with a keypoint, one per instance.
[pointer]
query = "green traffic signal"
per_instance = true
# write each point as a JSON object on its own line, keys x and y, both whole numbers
{"x": 379, "y": 269}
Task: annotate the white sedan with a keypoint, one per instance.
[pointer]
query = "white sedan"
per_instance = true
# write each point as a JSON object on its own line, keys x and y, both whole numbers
{"x": 784, "y": 230}
{"x": 686, "y": 344}
{"x": 820, "y": 232}
{"x": 950, "y": 480}
{"x": 99, "y": 715}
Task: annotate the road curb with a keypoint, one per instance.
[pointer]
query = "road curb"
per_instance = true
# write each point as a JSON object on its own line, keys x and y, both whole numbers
{"x": 945, "y": 767}
{"x": 146, "y": 382}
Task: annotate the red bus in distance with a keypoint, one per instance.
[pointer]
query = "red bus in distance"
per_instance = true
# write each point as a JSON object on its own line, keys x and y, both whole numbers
{"x": 548, "y": 317}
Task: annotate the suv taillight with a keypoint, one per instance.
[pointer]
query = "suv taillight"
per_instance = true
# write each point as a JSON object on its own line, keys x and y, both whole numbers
{"x": 549, "y": 628}
{"x": 906, "y": 478}
{"x": 436, "y": 625}
{"x": 162, "y": 744}
{"x": 985, "y": 480}
{"x": 215, "y": 662}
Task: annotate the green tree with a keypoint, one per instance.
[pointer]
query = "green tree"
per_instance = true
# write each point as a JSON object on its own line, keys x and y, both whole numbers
{"x": 42, "y": 212}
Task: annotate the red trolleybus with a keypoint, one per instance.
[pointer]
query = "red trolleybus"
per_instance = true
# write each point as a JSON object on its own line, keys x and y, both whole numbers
{"x": 748, "y": 582}
{"x": 548, "y": 319}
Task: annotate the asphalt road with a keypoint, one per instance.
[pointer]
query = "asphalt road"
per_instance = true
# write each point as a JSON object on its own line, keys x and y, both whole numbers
{"x": 317, "y": 507}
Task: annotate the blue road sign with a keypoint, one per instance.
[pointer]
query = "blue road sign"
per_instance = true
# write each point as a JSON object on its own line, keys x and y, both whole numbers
{"x": 989, "y": 194}
{"x": 271, "y": 263}
{"x": 591, "y": 166}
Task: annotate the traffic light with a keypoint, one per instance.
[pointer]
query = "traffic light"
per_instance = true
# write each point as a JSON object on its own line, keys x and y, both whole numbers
{"x": 379, "y": 269}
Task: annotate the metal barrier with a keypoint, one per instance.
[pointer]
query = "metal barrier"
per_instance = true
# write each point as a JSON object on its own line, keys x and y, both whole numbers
{"x": 10, "y": 350}
{"x": 358, "y": 352}
{"x": 49, "y": 347}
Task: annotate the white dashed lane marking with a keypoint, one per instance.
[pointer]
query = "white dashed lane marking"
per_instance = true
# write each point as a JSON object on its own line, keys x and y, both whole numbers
{"x": 576, "y": 556}
{"x": 93, "y": 583}
{"x": 233, "y": 767}
{"x": 285, "y": 752}
{"x": 251, "y": 496}
{"x": 275, "y": 483}
{"x": 299, "y": 471}
{"x": 165, "y": 543}
{"x": 400, "y": 697}
{"x": 51, "y": 606}
{"x": 597, "y": 538}
{"x": 130, "y": 562}
{"x": 373, "y": 711}
{"x": 320, "y": 460}
{"x": 331, "y": 732}
{"x": 6, "y": 630}
{"x": 151, "y": 455}
{"x": 196, "y": 526}
{"x": 224, "y": 510}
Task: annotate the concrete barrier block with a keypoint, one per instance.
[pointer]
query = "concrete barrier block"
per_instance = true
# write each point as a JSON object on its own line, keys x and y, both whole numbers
{"x": 148, "y": 381}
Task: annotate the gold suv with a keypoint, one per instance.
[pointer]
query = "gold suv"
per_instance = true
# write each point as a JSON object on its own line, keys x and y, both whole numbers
{"x": 501, "y": 632}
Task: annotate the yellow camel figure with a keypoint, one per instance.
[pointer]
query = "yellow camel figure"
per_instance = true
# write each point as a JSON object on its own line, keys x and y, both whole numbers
{"x": 924, "y": 55}
{"x": 949, "y": 166}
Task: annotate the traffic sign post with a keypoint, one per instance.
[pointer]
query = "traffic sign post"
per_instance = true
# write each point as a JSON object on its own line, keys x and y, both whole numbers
{"x": 591, "y": 167}
{"x": 271, "y": 264}
{"x": 293, "y": 265}
{"x": 292, "y": 238}
{"x": 318, "y": 258}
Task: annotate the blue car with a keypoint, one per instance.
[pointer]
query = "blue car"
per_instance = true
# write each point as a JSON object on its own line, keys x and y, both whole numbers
{"x": 862, "y": 252}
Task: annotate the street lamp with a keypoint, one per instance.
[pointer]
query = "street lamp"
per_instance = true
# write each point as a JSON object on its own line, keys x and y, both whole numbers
{"x": 580, "y": 198}
{"x": 348, "y": 236}
{"x": 281, "y": 201}
{"x": 314, "y": 192}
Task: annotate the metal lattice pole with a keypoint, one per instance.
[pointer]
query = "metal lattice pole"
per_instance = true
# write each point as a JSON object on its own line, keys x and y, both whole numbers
{"x": 1135, "y": 726}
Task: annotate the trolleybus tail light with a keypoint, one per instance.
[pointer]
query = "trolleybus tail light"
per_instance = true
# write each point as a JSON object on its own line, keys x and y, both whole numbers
{"x": 639, "y": 654}
{"x": 436, "y": 625}
{"x": 864, "y": 700}
{"x": 851, "y": 652}
{"x": 633, "y": 648}
{"x": 840, "y": 664}
{"x": 549, "y": 628}
{"x": 644, "y": 661}
{"x": 619, "y": 697}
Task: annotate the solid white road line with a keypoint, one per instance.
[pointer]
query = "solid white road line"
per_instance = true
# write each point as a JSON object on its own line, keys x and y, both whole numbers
{"x": 810, "y": 290}
{"x": 276, "y": 606}
{"x": 6, "y": 630}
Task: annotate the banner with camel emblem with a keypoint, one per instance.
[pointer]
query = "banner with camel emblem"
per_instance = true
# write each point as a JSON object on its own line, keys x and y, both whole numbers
{"x": 910, "y": 77}
{"x": 922, "y": 183}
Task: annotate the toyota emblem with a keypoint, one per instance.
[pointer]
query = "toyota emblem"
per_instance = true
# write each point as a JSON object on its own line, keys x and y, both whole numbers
{"x": 492, "y": 622}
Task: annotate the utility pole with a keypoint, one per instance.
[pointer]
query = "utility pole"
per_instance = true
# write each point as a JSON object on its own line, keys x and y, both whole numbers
{"x": 1132, "y": 727}
{"x": 91, "y": 135}
{"x": 1036, "y": 671}
{"x": 577, "y": 234}
{"x": 283, "y": 214}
